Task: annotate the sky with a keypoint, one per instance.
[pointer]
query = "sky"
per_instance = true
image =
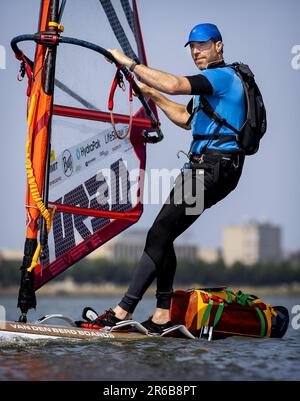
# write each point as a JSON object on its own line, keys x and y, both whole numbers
{"x": 264, "y": 34}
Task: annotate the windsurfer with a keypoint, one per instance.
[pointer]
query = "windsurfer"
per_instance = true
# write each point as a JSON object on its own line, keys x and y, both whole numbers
{"x": 220, "y": 158}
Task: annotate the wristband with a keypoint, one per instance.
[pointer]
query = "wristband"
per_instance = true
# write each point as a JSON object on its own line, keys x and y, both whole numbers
{"x": 132, "y": 66}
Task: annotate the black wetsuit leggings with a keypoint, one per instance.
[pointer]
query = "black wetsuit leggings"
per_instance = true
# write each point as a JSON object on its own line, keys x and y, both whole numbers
{"x": 221, "y": 176}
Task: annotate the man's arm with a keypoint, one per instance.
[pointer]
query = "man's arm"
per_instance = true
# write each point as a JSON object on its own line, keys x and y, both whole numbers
{"x": 159, "y": 80}
{"x": 176, "y": 112}
{"x": 156, "y": 81}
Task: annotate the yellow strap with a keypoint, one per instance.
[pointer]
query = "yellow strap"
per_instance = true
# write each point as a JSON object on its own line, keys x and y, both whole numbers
{"x": 29, "y": 168}
{"x": 269, "y": 307}
{"x": 199, "y": 320}
{"x": 221, "y": 294}
{"x": 35, "y": 257}
{"x": 258, "y": 301}
{"x": 59, "y": 27}
{"x": 200, "y": 309}
{"x": 32, "y": 109}
{"x": 267, "y": 314}
{"x": 33, "y": 187}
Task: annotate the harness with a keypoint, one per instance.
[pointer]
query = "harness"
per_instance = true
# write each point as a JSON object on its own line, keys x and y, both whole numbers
{"x": 206, "y": 107}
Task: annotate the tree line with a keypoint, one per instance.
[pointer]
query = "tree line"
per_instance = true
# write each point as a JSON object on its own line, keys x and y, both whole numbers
{"x": 102, "y": 271}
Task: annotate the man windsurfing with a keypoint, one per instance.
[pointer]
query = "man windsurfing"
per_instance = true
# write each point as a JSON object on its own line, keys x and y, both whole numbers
{"x": 214, "y": 149}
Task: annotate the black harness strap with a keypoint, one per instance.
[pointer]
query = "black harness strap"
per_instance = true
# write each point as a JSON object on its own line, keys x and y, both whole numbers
{"x": 206, "y": 107}
{"x": 210, "y": 112}
{"x": 222, "y": 138}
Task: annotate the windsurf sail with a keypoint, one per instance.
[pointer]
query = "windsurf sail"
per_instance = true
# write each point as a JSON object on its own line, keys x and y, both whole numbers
{"x": 80, "y": 191}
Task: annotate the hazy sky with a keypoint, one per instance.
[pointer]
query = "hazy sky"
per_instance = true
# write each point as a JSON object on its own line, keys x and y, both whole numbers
{"x": 261, "y": 33}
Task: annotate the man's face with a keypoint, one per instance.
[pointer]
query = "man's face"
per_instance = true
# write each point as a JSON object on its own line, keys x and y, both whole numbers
{"x": 205, "y": 52}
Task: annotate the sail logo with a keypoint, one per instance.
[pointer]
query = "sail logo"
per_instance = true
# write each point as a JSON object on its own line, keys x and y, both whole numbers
{"x": 2, "y": 58}
{"x": 87, "y": 163}
{"x": 83, "y": 151}
{"x": 111, "y": 136}
{"x": 67, "y": 163}
{"x": 53, "y": 167}
{"x": 101, "y": 192}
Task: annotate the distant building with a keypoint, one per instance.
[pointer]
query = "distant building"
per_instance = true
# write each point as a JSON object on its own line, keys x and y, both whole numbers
{"x": 11, "y": 254}
{"x": 209, "y": 255}
{"x": 129, "y": 247}
{"x": 252, "y": 243}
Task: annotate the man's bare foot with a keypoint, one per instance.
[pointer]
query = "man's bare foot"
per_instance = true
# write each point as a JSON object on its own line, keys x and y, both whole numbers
{"x": 121, "y": 313}
{"x": 161, "y": 316}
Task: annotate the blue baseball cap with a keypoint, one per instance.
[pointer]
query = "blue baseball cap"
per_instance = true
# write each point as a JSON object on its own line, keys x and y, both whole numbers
{"x": 203, "y": 33}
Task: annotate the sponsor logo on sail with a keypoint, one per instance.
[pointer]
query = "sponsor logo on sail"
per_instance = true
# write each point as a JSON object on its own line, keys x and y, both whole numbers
{"x": 67, "y": 163}
{"x": 87, "y": 163}
{"x": 55, "y": 181}
{"x": 53, "y": 167}
{"x": 83, "y": 151}
{"x": 111, "y": 136}
{"x": 104, "y": 153}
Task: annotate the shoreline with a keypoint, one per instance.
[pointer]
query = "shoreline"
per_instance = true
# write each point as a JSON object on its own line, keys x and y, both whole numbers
{"x": 70, "y": 288}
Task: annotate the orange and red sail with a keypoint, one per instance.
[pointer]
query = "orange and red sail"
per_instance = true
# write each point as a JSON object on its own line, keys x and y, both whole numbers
{"x": 79, "y": 188}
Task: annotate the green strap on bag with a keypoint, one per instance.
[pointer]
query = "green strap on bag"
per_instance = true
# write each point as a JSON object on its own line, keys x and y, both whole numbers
{"x": 241, "y": 299}
{"x": 207, "y": 312}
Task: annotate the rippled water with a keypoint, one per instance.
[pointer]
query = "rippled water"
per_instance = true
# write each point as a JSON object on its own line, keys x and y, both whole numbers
{"x": 151, "y": 359}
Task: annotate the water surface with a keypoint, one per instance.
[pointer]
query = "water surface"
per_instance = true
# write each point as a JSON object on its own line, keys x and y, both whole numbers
{"x": 151, "y": 359}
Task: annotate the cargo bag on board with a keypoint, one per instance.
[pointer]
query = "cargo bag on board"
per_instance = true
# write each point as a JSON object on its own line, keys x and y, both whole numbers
{"x": 218, "y": 313}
